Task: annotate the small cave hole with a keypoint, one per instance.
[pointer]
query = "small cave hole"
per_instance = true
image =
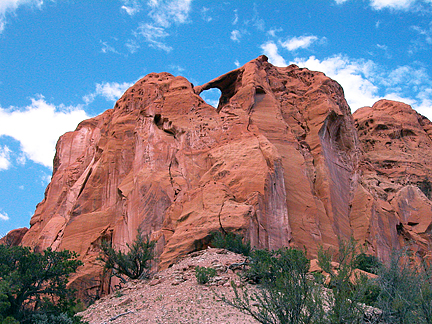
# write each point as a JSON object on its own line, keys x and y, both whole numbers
{"x": 212, "y": 96}
{"x": 399, "y": 228}
{"x": 380, "y": 127}
{"x": 157, "y": 119}
{"x": 407, "y": 132}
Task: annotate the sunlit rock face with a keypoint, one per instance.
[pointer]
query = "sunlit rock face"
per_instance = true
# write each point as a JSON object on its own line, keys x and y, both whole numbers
{"x": 396, "y": 174}
{"x": 281, "y": 161}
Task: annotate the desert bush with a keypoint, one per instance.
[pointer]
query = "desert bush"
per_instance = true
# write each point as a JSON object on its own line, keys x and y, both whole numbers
{"x": 134, "y": 263}
{"x": 401, "y": 286}
{"x": 370, "y": 290}
{"x": 368, "y": 263}
{"x": 9, "y": 320}
{"x": 35, "y": 283}
{"x": 230, "y": 241}
{"x": 348, "y": 289}
{"x": 203, "y": 275}
{"x": 425, "y": 292}
{"x": 44, "y": 318}
{"x": 284, "y": 293}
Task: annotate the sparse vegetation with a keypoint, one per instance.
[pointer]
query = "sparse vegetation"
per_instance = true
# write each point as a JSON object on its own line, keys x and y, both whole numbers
{"x": 134, "y": 263}
{"x": 230, "y": 241}
{"x": 368, "y": 263}
{"x": 401, "y": 292}
{"x": 405, "y": 290}
{"x": 203, "y": 275}
{"x": 33, "y": 286}
{"x": 284, "y": 294}
{"x": 348, "y": 287}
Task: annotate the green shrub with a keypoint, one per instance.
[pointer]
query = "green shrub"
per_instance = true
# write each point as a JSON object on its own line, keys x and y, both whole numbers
{"x": 10, "y": 320}
{"x": 35, "y": 283}
{"x": 370, "y": 290}
{"x": 344, "y": 301}
{"x": 203, "y": 274}
{"x": 400, "y": 295}
{"x": 368, "y": 263}
{"x": 425, "y": 292}
{"x": 284, "y": 293}
{"x": 230, "y": 241}
{"x": 134, "y": 263}
{"x": 44, "y": 318}
{"x": 262, "y": 266}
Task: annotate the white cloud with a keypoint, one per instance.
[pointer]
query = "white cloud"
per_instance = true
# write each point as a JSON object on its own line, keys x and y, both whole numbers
{"x": 236, "y": 17}
{"x": 106, "y": 48}
{"x": 295, "y": 43}
{"x": 272, "y": 32}
{"x": 166, "y": 12}
{"x": 384, "y": 50}
{"x": 154, "y": 36}
{"x": 392, "y": 4}
{"x": 21, "y": 159}
{"x": 163, "y": 14}
{"x": 237, "y": 63}
{"x": 3, "y": 216}
{"x": 38, "y": 126}
{"x": 397, "y": 97}
{"x": 235, "y": 35}
{"x": 45, "y": 179}
{"x": 426, "y": 33}
{"x": 111, "y": 91}
{"x": 132, "y": 45}
{"x": 424, "y": 106}
{"x": 131, "y": 7}
{"x": 258, "y": 22}
{"x": 364, "y": 82}
{"x": 176, "y": 69}
{"x": 9, "y": 7}
{"x": 129, "y": 10}
{"x": 271, "y": 51}
{"x": 354, "y": 76}
{"x": 4, "y": 158}
{"x": 204, "y": 14}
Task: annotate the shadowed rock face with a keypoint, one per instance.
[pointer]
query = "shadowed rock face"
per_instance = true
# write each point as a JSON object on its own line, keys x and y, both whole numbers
{"x": 279, "y": 161}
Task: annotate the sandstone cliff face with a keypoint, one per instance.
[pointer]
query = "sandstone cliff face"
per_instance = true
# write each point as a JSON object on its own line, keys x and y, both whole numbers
{"x": 396, "y": 175}
{"x": 280, "y": 160}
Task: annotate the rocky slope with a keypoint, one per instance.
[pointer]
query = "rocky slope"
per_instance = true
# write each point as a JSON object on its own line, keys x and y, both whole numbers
{"x": 281, "y": 161}
{"x": 174, "y": 296}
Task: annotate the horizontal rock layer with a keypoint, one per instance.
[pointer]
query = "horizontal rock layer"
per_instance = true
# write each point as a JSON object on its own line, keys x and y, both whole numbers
{"x": 281, "y": 161}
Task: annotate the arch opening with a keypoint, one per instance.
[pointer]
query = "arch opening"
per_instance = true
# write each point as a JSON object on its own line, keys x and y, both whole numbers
{"x": 211, "y": 97}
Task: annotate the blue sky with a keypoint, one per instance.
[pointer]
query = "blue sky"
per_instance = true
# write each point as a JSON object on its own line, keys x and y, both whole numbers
{"x": 62, "y": 61}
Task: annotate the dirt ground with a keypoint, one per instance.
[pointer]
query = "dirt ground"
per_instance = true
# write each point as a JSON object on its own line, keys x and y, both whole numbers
{"x": 174, "y": 296}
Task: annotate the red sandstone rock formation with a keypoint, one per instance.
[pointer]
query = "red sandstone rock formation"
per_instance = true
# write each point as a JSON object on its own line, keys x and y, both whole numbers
{"x": 14, "y": 237}
{"x": 396, "y": 177}
{"x": 280, "y": 161}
